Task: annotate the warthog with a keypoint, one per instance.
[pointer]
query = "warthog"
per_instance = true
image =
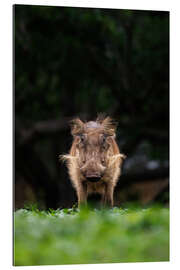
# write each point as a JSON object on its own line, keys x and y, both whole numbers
{"x": 94, "y": 161}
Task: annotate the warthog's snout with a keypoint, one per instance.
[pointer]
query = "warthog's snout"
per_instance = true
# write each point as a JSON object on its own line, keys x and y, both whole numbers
{"x": 92, "y": 171}
{"x": 93, "y": 178}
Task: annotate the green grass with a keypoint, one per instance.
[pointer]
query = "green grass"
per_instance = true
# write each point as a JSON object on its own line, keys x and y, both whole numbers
{"x": 70, "y": 236}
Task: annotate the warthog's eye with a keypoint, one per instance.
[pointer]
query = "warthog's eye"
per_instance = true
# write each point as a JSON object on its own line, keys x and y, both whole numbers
{"x": 104, "y": 142}
{"x": 103, "y": 139}
{"x": 82, "y": 138}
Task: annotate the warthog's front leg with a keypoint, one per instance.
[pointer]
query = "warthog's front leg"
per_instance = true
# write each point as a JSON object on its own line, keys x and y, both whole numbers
{"x": 81, "y": 194}
{"x": 107, "y": 197}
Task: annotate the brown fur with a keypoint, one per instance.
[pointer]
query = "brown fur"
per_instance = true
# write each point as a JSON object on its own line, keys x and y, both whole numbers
{"x": 94, "y": 154}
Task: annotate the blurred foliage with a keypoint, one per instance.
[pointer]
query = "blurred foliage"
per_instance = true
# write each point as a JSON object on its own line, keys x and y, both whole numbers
{"x": 71, "y": 236}
{"x": 81, "y": 61}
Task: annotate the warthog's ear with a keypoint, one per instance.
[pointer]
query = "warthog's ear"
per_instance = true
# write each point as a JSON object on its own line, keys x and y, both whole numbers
{"x": 77, "y": 126}
{"x": 109, "y": 125}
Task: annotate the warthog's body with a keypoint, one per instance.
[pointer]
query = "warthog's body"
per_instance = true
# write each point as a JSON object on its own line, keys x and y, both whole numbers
{"x": 94, "y": 161}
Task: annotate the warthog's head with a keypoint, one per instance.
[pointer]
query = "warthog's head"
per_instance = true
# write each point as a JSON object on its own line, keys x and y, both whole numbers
{"x": 94, "y": 148}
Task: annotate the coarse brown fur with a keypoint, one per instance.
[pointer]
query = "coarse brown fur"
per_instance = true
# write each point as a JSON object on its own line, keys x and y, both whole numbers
{"x": 94, "y": 161}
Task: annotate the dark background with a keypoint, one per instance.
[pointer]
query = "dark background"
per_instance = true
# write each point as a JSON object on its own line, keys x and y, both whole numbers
{"x": 79, "y": 62}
